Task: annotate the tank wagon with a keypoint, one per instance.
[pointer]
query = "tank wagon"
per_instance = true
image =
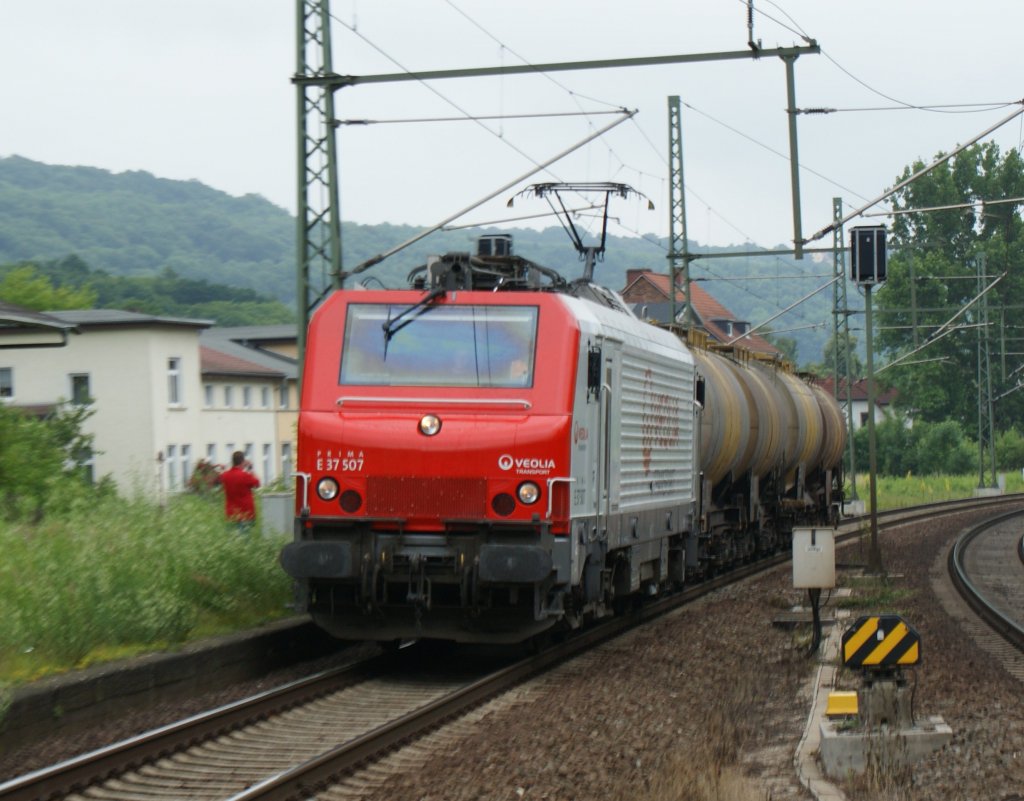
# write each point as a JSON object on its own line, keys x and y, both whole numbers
{"x": 496, "y": 451}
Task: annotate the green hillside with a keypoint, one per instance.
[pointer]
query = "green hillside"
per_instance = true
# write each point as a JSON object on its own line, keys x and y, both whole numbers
{"x": 135, "y": 224}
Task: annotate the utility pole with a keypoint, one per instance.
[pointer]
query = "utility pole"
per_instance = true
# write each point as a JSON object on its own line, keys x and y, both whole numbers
{"x": 678, "y": 248}
{"x": 867, "y": 260}
{"x": 986, "y": 410}
{"x": 875, "y": 551}
{"x": 319, "y": 210}
{"x": 843, "y": 354}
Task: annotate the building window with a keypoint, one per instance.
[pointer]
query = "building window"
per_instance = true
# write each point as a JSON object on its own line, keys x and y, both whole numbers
{"x": 268, "y": 455}
{"x": 174, "y": 381}
{"x": 88, "y": 468}
{"x": 230, "y": 452}
{"x": 286, "y": 459}
{"x": 283, "y": 395}
{"x": 211, "y": 453}
{"x": 186, "y": 464}
{"x": 265, "y": 397}
{"x": 246, "y": 397}
{"x": 228, "y": 399}
{"x": 80, "y": 394}
{"x": 6, "y": 382}
{"x": 247, "y": 451}
{"x": 208, "y": 395}
{"x": 172, "y": 467}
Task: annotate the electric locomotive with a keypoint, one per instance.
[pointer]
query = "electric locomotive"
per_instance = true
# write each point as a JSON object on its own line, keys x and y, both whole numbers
{"x": 498, "y": 451}
{"x": 479, "y": 465}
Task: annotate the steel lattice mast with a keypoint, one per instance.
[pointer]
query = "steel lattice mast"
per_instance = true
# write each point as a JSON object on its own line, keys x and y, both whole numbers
{"x": 986, "y": 413}
{"x": 319, "y": 210}
{"x": 843, "y": 355}
{"x": 678, "y": 249}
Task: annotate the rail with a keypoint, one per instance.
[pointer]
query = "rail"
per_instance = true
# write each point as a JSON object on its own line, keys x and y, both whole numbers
{"x": 1008, "y": 628}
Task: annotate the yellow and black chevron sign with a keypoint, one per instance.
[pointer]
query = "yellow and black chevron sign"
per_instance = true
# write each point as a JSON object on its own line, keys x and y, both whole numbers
{"x": 881, "y": 641}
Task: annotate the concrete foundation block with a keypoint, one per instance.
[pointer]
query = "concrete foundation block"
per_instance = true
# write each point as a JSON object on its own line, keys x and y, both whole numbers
{"x": 846, "y": 749}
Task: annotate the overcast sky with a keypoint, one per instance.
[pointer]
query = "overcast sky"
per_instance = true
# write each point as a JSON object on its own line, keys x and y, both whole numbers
{"x": 200, "y": 89}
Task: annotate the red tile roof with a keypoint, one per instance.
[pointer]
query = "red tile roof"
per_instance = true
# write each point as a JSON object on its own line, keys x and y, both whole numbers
{"x": 858, "y": 391}
{"x": 219, "y": 363}
{"x": 707, "y": 309}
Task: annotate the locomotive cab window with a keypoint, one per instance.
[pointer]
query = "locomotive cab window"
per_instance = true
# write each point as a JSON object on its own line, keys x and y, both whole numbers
{"x": 449, "y": 346}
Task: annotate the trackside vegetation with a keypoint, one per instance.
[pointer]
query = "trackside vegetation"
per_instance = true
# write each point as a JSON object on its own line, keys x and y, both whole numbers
{"x": 88, "y": 576}
{"x": 110, "y": 577}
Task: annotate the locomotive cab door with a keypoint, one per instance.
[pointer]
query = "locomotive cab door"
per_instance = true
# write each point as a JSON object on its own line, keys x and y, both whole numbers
{"x": 610, "y": 433}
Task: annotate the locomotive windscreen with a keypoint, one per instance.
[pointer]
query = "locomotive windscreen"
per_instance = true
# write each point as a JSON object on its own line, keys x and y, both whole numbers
{"x": 450, "y": 346}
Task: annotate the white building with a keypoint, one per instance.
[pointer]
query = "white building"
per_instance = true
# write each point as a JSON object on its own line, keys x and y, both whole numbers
{"x": 165, "y": 392}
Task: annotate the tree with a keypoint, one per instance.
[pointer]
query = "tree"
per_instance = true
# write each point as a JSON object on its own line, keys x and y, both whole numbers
{"x": 788, "y": 345}
{"x": 933, "y": 275}
{"x": 24, "y": 286}
{"x": 40, "y": 459}
{"x": 834, "y": 355}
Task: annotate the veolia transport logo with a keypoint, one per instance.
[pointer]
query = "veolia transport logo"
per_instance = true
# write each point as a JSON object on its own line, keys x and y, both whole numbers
{"x": 505, "y": 462}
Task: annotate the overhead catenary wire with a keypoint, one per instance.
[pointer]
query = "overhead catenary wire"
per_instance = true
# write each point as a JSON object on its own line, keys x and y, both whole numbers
{"x": 719, "y": 277}
{"x": 479, "y": 120}
{"x": 944, "y": 329}
{"x": 975, "y": 108}
{"x": 517, "y": 218}
{"x": 941, "y": 108}
{"x": 791, "y": 306}
{"x": 949, "y": 207}
{"x": 538, "y": 115}
{"x": 501, "y": 190}
{"x": 622, "y": 164}
{"x": 772, "y": 150}
{"x": 434, "y": 90}
{"x": 923, "y": 171}
{"x": 576, "y": 96}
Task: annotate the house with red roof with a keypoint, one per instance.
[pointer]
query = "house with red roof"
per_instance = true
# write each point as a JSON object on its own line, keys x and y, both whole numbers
{"x": 859, "y": 400}
{"x": 647, "y": 292}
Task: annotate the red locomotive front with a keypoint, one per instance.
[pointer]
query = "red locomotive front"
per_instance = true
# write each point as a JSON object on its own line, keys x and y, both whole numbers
{"x": 434, "y": 448}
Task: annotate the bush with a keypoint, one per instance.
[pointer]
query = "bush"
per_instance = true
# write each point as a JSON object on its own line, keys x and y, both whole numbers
{"x": 925, "y": 449}
{"x": 1010, "y": 451}
{"x": 943, "y": 448}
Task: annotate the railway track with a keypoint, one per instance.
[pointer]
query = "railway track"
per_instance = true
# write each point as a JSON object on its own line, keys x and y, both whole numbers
{"x": 986, "y": 564}
{"x": 288, "y": 742}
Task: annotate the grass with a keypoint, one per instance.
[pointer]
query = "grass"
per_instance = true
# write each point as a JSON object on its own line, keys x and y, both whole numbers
{"x": 872, "y": 593}
{"x": 896, "y": 492}
{"x": 108, "y": 578}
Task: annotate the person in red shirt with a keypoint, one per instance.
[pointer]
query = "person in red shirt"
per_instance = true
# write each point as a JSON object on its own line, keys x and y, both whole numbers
{"x": 238, "y": 485}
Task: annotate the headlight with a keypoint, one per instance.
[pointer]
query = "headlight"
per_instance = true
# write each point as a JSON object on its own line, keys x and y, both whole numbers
{"x": 327, "y": 489}
{"x": 430, "y": 424}
{"x": 528, "y": 492}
